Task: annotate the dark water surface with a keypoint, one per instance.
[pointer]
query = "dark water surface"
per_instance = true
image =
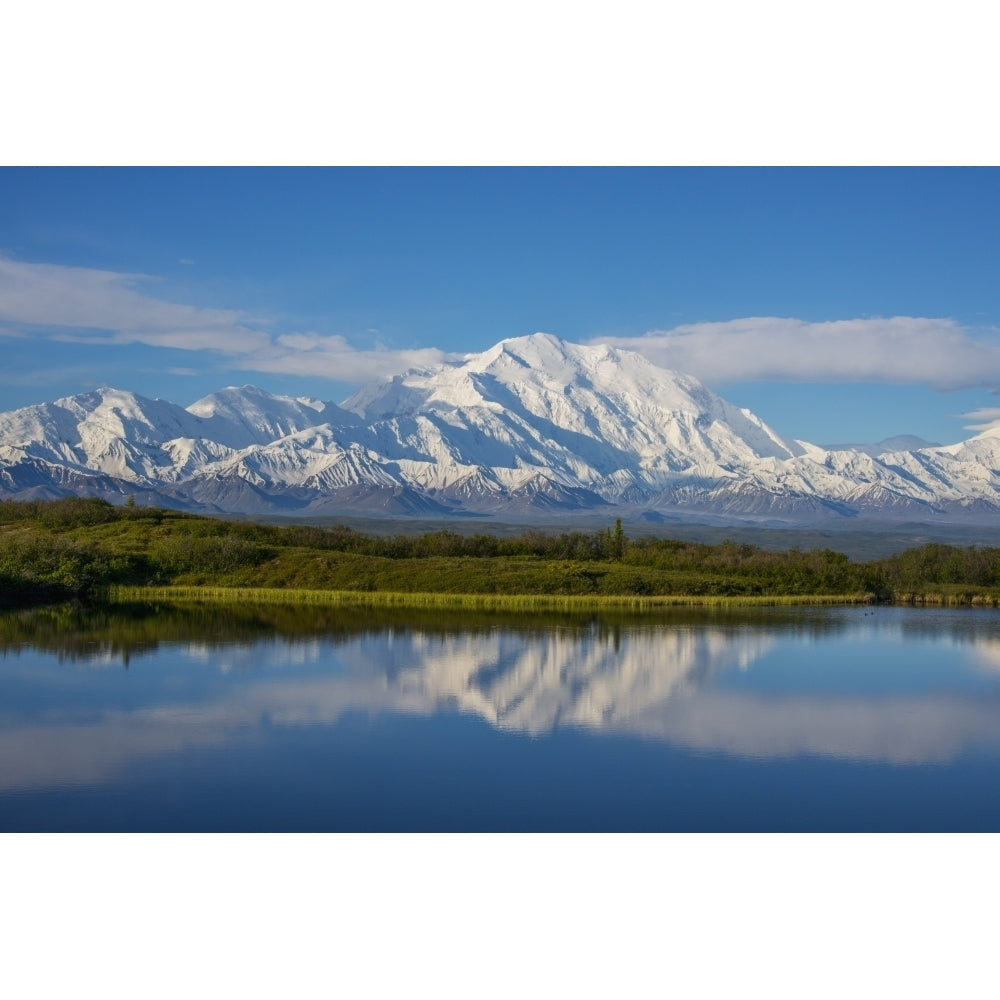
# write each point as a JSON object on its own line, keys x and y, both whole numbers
{"x": 256, "y": 719}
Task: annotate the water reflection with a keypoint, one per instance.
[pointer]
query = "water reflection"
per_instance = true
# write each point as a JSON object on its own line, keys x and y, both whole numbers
{"x": 904, "y": 687}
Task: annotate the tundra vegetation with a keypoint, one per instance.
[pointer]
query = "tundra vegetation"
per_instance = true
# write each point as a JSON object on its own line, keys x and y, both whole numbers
{"x": 87, "y": 549}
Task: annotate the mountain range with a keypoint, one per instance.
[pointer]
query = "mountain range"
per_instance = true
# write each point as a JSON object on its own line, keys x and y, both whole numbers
{"x": 532, "y": 426}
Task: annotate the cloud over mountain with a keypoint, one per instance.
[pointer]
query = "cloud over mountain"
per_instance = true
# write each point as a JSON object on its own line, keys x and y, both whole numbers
{"x": 101, "y": 307}
{"x": 939, "y": 353}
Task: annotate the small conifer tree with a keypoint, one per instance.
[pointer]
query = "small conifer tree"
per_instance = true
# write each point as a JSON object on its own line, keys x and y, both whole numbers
{"x": 618, "y": 541}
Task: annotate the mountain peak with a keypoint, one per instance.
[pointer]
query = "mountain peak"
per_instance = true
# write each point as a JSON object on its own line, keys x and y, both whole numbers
{"x": 104, "y": 395}
{"x": 539, "y": 341}
{"x": 244, "y": 396}
{"x": 240, "y": 416}
{"x": 531, "y": 351}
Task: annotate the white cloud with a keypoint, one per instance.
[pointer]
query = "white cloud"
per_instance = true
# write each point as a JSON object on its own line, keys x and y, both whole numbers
{"x": 939, "y": 353}
{"x": 334, "y": 358}
{"x": 984, "y": 419}
{"x": 89, "y": 306}
{"x": 85, "y": 304}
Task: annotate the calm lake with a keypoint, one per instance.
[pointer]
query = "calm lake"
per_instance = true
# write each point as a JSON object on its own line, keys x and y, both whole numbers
{"x": 275, "y": 719}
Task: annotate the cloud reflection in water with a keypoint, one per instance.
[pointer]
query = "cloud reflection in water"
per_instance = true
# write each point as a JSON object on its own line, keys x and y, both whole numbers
{"x": 666, "y": 684}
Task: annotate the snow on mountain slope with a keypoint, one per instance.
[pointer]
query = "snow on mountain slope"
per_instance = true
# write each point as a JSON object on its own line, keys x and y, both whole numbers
{"x": 533, "y": 423}
{"x": 580, "y": 414}
{"x": 240, "y": 417}
{"x": 313, "y": 457}
{"x": 958, "y": 474}
{"x": 611, "y": 422}
{"x": 108, "y": 430}
{"x": 142, "y": 440}
{"x": 900, "y": 442}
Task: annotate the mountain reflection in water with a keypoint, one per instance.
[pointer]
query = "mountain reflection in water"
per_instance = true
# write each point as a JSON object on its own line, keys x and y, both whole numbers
{"x": 900, "y": 686}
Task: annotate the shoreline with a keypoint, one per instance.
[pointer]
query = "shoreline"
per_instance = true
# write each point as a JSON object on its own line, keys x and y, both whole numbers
{"x": 479, "y": 602}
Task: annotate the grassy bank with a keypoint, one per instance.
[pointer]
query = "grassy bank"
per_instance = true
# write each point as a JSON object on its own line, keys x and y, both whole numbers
{"x": 87, "y": 549}
{"x": 463, "y": 602}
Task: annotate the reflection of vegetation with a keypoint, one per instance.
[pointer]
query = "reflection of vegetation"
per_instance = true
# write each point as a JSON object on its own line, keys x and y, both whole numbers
{"x": 74, "y": 632}
{"x": 79, "y": 547}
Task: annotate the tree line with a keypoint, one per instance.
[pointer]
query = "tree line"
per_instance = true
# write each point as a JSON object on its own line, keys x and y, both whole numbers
{"x": 51, "y": 550}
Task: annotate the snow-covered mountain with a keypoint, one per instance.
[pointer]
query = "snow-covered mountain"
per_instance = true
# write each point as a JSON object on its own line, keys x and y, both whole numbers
{"x": 532, "y": 424}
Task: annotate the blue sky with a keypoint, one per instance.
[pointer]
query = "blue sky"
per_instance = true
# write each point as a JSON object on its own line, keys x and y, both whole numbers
{"x": 841, "y": 305}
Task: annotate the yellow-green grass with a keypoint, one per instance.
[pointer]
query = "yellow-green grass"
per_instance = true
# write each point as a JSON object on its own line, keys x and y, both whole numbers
{"x": 952, "y": 598}
{"x": 480, "y": 602}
